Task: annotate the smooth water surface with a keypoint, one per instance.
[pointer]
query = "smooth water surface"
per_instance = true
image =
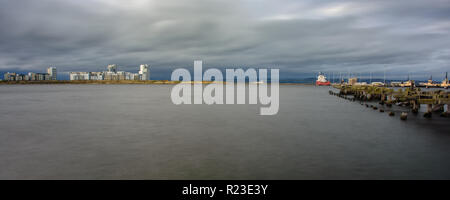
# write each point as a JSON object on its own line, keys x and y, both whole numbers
{"x": 135, "y": 132}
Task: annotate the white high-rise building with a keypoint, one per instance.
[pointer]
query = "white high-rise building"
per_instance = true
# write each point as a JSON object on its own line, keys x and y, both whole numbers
{"x": 52, "y": 72}
{"x": 144, "y": 72}
{"x": 112, "y": 68}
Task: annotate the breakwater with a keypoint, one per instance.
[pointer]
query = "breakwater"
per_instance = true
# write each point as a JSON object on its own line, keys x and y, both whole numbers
{"x": 412, "y": 97}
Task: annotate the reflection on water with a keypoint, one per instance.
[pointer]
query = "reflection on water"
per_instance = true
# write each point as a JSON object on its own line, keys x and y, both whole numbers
{"x": 135, "y": 132}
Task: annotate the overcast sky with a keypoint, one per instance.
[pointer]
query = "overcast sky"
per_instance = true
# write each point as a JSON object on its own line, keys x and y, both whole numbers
{"x": 298, "y": 37}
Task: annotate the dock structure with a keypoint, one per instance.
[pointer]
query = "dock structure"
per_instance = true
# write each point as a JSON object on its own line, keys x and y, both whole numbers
{"x": 412, "y": 97}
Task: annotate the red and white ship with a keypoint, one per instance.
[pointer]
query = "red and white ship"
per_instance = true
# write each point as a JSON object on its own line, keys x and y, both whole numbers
{"x": 322, "y": 80}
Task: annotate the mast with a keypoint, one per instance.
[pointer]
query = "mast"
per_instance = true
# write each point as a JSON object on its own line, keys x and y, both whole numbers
{"x": 333, "y": 76}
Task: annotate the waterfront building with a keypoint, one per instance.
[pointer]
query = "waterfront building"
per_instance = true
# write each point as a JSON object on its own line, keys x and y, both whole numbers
{"x": 21, "y": 77}
{"x": 31, "y": 76}
{"x": 111, "y": 76}
{"x": 52, "y": 72}
{"x": 120, "y": 75}
{"x": 38, "y": 76}
{"x": 43, "y": 76}
{"x": 112, "y": 68}
{"x": 133, "y": 76}
{"x": 96, "y": 76}
{"x": 144, "y": 72}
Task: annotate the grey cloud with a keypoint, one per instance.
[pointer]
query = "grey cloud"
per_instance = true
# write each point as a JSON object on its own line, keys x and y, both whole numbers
{"x": 299, "y": 37}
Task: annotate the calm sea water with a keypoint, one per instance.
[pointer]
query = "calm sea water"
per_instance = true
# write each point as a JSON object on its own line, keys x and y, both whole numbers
{"x": 135, "y": 132}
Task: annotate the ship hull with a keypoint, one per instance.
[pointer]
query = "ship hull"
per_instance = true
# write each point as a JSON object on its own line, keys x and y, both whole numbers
{"x": 323, "y": 83}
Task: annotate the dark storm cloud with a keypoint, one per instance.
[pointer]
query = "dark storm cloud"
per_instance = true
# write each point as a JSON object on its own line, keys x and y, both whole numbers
{"x": 406, "y": 36}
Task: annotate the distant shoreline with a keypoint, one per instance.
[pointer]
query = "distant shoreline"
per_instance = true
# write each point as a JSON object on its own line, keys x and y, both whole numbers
{"x": 115, "y": 82}
{"x": 159, "y": 82}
